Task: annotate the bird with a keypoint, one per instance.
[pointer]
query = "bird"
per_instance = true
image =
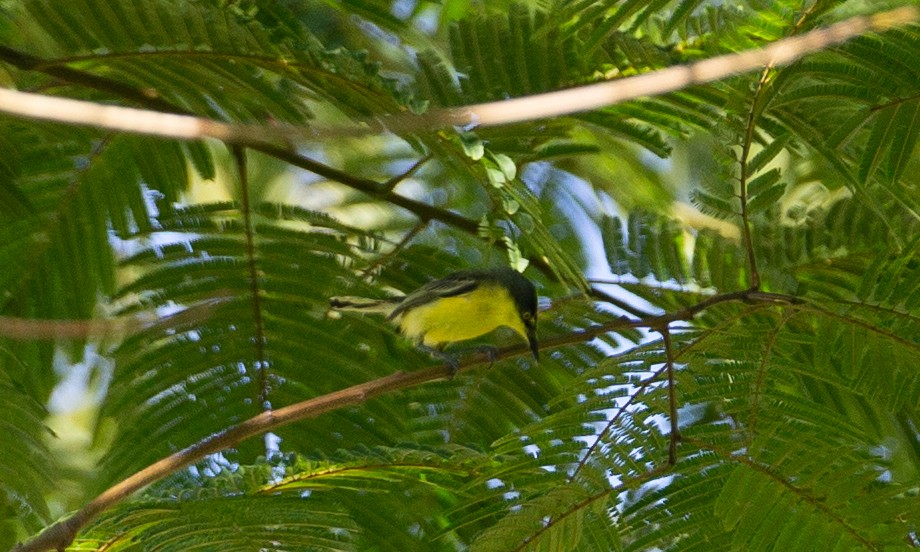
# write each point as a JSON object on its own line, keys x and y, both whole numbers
{"x": 461, "y": 306}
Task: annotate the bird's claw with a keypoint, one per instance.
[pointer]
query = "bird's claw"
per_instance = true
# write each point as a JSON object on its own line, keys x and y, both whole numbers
{"x": 490, "y": 351}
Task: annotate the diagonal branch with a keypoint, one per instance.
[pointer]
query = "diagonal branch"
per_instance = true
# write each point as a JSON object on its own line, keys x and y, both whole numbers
{"x": 28, "y": 329}
{"x": 608, "y": 427}
{"x": 527, "y": 108}
{"x": 165, "y": 114}
{"x": 368, "y": 272}
{"x": 61, "y": 534}
{"x": 179, "y": 123}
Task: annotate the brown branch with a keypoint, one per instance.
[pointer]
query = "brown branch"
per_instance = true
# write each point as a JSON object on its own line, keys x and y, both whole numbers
{"x": 423, "y": 211}
{"x": 528, "y": 108}
{"x": 175, "y": 123}
{"x": 381, "y": 260}
{"x": 383, "y": 191}
{"x": 655, "y": 322}
{"x": 743, "y": 177}
{"x": 29, "y": 329}
{"x": 168, "y": 113}
{"x": 61, "y": 534}
{"x": 255, "y": 291}
{"x": 674, "y": 435}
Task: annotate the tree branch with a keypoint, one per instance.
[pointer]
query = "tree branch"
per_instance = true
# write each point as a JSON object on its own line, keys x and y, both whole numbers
{"x": 527, "y": 108}
{"x": 608, "y": 427}
{"x": 188, "y": 127}
{"x": 178, "y": 124}
{"x": 28, "y": 329}
{"x": 173, "y": 121}
{"x": 61, "y": 534}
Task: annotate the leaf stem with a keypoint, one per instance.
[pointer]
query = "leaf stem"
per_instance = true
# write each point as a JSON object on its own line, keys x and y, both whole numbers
{"x": 674, "y": 435}
{"x": 743, "y": 176}
{"x": 261, "y": 365}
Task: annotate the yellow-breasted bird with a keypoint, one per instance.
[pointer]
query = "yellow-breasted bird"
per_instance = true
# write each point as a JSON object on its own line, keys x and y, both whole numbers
{"x": 461, "y": 306}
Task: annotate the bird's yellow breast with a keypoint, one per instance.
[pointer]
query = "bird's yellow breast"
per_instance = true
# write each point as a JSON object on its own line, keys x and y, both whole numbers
{"x": 465, "y": 316}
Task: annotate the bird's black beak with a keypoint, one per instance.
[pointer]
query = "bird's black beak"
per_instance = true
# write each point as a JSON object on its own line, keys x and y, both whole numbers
{"x": 532, "y": 340}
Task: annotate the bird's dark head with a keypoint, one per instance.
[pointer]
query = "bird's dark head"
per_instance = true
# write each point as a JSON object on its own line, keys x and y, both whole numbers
{"x": 525, "y": 300}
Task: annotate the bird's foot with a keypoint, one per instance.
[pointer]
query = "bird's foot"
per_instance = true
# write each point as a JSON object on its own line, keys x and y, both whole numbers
{"x": 490, "y": 351}
{"x": 453, "y": 365}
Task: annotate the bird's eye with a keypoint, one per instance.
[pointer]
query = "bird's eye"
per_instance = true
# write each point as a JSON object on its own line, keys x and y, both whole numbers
{"x": 527, "y": 315}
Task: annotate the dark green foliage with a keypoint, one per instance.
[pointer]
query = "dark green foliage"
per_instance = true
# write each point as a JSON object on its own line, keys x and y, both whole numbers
{"x": 26, "y": 465}
{"x": 797, "y": 404}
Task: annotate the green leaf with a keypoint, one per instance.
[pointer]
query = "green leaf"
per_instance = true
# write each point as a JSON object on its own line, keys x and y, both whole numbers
{"x": 767, "y": 198}
{"x": 763, "y": 182}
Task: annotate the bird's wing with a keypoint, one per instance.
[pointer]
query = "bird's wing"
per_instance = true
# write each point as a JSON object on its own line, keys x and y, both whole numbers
{"x": 363, "y": 304}
{"x": 451, "y": 286}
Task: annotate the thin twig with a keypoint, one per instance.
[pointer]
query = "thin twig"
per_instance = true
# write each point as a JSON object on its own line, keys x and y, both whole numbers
{"x": 383, "y": 259}
{"x": 255, "y": 291}
{"x": 757, "y": 392}
{"x": 743, "y": 177}
{"x": 674, "y": 436}
{"x": 608, "y": 427}
{"x": 392, "y": 182}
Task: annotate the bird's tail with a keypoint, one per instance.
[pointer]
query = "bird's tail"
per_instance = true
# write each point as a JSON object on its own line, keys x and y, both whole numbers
{"x": 362, "y": 304}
